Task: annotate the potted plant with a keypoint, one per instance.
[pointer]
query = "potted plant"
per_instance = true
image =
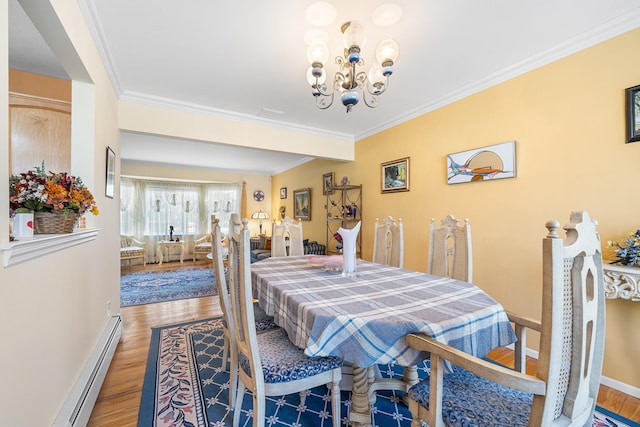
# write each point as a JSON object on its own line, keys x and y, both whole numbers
{"x": 627, "y": 252}
{"x": 57, "y": 200}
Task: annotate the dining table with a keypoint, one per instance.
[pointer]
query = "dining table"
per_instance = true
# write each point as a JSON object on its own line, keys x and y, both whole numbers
{"x": 364, "y": 319}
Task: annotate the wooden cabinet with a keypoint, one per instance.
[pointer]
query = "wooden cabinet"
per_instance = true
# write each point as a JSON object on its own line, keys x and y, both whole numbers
{"x": 343, "y": 209}
{"x": 40, "y": 131}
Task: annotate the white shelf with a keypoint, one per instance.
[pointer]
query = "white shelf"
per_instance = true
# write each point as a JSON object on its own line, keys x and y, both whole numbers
{"x": 24, "y": 250}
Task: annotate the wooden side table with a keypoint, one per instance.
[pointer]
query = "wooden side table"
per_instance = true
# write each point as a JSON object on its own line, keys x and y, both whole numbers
{"x": 169, "y": 245}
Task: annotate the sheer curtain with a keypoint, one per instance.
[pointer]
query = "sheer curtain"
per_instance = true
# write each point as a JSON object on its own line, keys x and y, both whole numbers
{"x": 149, "y": 207}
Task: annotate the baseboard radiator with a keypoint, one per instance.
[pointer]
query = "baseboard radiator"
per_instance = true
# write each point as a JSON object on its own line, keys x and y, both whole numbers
{"x": 76, "y": 410}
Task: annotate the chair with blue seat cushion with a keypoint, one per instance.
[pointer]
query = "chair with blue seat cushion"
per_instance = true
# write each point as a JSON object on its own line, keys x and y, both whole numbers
{"x": 564, "y": 390}
{"x": 262, "y": 320}
{"x": 270, "y": 365}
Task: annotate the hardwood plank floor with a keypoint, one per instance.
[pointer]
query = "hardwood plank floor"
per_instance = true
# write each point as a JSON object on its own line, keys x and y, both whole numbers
{"x": 119, "y": 398}
{"x": 608, "y": 398}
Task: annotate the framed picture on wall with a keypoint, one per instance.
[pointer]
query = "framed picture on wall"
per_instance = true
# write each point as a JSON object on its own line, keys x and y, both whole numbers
{"x": 111, "y": 173}
{"x": 395, "y": 176}
{"x": 327, "y": 183}
{"x": 482, "y": 164}
{"x": 302, "y": 204}
{"x": 283, "y": 193}
{"x": 633, "y": 114}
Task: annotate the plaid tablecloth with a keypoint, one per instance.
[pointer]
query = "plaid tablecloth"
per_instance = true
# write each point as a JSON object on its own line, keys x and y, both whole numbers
{"x": 364, "y": 319}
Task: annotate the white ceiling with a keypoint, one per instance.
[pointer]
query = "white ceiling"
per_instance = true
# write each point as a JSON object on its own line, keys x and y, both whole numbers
{"x": 247, "y": 59}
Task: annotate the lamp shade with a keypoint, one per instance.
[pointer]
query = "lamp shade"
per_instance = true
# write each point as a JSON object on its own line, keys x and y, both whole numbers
{"x": 386, "y": 51}
{"x": 260, "y": 215}
{"x": 354, "y": 34}
{"x": 318, "y": 52}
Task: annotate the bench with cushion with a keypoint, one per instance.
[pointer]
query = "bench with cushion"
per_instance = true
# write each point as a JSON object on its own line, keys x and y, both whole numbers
{"x": 202, "y": 246}
{"x": 131, "y": 248}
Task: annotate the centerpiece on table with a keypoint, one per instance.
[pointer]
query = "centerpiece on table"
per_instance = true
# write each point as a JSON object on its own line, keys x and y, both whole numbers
{"x": 627, "y": 252}
{"x": 56, "y": 200}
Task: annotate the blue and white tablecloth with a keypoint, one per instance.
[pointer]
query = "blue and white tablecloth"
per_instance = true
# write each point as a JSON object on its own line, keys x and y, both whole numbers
{"x": 364, "y": 320}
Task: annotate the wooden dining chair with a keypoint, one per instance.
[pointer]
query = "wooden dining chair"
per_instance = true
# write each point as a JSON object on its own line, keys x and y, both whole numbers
{"x": 270, "y": 365}
{"x": 262, "y": 321}
{"x": 564, "y": 389}
{"x": 388, "y": 242}
{"x": 450, "y": 253}
{"x": 285, "y": 234}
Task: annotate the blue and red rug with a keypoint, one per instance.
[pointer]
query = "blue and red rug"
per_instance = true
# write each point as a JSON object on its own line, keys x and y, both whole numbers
{"x": 185, "y": 385}
{"x": 147, "y": 287}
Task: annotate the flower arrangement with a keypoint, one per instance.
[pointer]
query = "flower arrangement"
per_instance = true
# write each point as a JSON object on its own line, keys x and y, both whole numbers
{"x": 40, "y": 191}
{"x": 338, "y": 238}
{"x": 627, "y": 252}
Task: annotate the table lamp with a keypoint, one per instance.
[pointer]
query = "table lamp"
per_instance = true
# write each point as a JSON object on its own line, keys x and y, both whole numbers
{"x": 260, "y": 216}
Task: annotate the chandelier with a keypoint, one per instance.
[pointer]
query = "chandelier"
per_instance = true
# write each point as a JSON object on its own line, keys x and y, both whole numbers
{"x": 351, "y": 83}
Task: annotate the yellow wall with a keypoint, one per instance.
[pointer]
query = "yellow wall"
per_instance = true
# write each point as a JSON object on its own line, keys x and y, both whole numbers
{"x": 567, "y": 119}
{"x": 41, "y": 86}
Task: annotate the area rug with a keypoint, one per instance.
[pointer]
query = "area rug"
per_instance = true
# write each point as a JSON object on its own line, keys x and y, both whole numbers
{"x": 185, "y": 385}
{"x": 158, "y": 286}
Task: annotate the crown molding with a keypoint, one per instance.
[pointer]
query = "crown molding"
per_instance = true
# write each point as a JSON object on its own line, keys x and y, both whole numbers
{"x": 172, "y": 104}
{"x": 599, "y": 34}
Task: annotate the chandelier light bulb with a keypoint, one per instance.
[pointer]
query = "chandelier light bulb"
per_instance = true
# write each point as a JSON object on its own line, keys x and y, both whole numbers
{"x": 353, "y": 34}
{"x": 318, "y": 52}
{"x": 387, "y": 52}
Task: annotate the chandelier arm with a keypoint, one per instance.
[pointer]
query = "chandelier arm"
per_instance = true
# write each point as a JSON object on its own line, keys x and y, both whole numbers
{"x": 323, "y": 90}
{"x": 375, "y": 90}
{"x": 338, "y": 81}
{"x": 370, "y": 100}
{"x": 322, "y": 103}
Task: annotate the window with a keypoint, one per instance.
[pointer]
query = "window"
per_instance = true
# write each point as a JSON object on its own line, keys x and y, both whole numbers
{"x": 148, "y": 207}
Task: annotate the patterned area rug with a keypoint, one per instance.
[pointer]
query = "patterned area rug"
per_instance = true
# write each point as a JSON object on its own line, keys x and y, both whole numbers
{"x": 185, "y": 385}
{"x": 158, "y": 286}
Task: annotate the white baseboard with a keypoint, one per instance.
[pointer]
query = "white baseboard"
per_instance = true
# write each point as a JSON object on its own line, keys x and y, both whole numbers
{"x": 76, "y": 410}
{"x": 609, "y": 382}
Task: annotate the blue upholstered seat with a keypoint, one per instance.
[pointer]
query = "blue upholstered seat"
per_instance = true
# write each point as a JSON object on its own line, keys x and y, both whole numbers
{"x": 564, "y": 389}
{"x": 264, "y": 322}
{"x": 284, "y": 362}
{"x": 478, "y": 402}
{"x": 268, "y": 363}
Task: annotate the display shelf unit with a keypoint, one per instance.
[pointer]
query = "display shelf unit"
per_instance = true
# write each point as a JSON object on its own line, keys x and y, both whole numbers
{"x": 343, "y": 209}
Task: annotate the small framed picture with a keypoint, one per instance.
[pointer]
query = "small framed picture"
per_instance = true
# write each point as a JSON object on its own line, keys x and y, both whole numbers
{"x": 111, "y": 174}
{"x": 327, "y": 183}
{"x": 395, "y": 176}
{"x": 633, "y": 114}
{"x": 302, "y": 204}
{"x": 283, "y": 193}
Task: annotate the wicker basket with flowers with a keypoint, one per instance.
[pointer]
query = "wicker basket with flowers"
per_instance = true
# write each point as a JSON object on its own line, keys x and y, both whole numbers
{"x": 56, "y": 199}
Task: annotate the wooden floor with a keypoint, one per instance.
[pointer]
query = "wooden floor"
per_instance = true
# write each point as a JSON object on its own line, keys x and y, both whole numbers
{"x": 119, "y": 399}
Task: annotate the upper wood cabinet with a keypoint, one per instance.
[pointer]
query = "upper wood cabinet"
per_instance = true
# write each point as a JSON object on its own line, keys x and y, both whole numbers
{"x": 40, "y": 131}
